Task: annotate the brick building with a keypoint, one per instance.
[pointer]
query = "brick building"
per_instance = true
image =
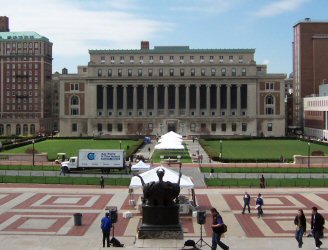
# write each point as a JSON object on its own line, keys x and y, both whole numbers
{"x": 25, "y": 82}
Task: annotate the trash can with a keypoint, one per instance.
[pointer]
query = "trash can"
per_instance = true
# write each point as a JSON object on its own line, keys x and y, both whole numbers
{"x": 77, "y": 219}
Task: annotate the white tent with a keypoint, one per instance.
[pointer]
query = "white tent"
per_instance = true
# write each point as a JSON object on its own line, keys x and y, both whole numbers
{"x": 170, "y": 175}
{"x": 171, "y": 134}
{"x": 170, "y": 139}
{"x": 169, "y": 145}
{"x": 140, "y": 166}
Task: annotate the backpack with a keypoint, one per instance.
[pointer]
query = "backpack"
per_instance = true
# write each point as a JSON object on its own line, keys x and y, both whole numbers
{"x": 116, "y": 243}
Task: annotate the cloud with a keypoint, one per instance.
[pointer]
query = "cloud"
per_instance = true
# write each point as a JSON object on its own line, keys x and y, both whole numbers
{"x": 204, "y": 6}
{"x": 75, "y": 26}
{"x": 279, "y": 7}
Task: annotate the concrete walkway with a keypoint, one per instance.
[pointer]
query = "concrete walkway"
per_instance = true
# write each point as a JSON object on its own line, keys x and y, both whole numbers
{"x": 41, "y": 217}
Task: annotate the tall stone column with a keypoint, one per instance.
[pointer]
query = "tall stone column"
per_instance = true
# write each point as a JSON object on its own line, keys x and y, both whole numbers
{"x": 228, "y": 100}
{"x": 208, "y": 99}
{"x": 105, "y": 111}
{"x": 187, "y": 100}
{"x": 166, "y": 99}
{"x": 238, "y": 100}
{"x": 155, "y": 100}
{"x": 135, "y": 100}
{"x": 197, "y": 100}
{"x": 177, "y": 108}
{"x": 125, "y": 100}
{"x": 114, "y": 100}
{"x": 145, "y": 100}
{"x": 218, "y": 99}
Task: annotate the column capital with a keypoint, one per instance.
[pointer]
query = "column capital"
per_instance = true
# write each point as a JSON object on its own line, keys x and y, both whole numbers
{"x": 208, "y": 85}
{"x": 145, "y": 85}
{"x": 104, "y": 85}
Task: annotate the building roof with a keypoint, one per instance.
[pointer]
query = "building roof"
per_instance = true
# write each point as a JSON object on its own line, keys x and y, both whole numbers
{"x": 22, "y": 35}
{"x": 169, "y": 49}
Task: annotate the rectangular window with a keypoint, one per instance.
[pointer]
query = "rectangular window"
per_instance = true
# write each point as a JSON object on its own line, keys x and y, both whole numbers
{"x": 171, "y": 72}
{"x": 213, "y": 127}
{"x": 243, "y": 72}
{"x": 74, "y": 127}
{"x": 160, "y": 72}
{"x": 223, "y": 127}
{"x": 139, "y": 72}
{"x": 99, "y": 72}
{"x": 223, "y": 72}
{"x": 269, "y": 86}
{"x": 244, "y": 127}
{"x": 99, "y": 127}
{"x": 110, "y": 72}
{"x": 234, "y": 127}
{"x": 171, "y": 58}
{"x": 161, "y": 58}
{"x": 119, "y": 72}
{"x": 150, "y": 126}
{"x": 202, "y": 72}
{"x": 233, "y": 72}
{"x": 150, "y": 72}
{"x": 131, "y": 58}
{"x": 181, "y": 72}
{"x": 74, "y": 111}
{"x": 213, "y": 72}
{"x": 119, "y": 127}
{"x": 269, "y": 111}
{"x": 269, "y": 127}
{"x": 129, "y": 72}
{"x": 192, "y": 72}
{"x": 109, "y": 127}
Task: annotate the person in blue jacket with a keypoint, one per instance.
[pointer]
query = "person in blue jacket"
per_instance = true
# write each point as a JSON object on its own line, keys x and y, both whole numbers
{"x": 259, "y": 203}
{"x": 218, "y": 230}
{"x": 106, "y": 225}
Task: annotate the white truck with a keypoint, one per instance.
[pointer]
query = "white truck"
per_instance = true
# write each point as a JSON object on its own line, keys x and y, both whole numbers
{"x": 104, "y": 159}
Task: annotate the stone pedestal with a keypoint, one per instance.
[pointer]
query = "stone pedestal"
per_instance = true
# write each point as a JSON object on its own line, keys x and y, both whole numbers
{"x": 160, "y": 222}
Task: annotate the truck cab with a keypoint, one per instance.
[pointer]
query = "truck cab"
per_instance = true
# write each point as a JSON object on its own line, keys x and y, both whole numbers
{"x": 70, "y": 164}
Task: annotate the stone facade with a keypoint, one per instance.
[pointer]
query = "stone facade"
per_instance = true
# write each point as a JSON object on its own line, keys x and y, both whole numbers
{"x": 189, "y": 91}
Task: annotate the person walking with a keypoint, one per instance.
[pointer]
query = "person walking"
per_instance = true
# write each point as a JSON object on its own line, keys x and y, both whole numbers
{"x": 317, "y": 222}
{"x": 102, "y": 182}
{"x": 211, "y": 172}
{"x": 262, "y": 182}
{"x": 300, "y": 223}
{"x": 106, "y": 225}
{"x": 258, "y": 205}
{"x": 218, "y": 228}
{"x": 247, "y": 200}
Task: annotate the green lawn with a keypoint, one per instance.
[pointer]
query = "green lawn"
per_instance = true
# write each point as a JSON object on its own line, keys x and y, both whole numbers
{"x": 173, "y": 154}
{"x": 269, "y": 182}
{"x": 72, "y": 146}
{"x": 260, "y": 148}
{"x": 265, "y": 170}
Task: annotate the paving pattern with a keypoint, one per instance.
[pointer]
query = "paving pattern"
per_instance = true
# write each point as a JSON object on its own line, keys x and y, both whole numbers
{"x": 49, "y": 211}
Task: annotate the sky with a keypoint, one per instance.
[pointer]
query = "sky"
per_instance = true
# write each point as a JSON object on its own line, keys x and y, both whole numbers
{"x": 75, "y": 26}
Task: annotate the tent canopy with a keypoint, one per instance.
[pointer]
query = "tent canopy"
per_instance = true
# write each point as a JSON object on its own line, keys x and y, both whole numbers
{"x": 170, "y": 175}
{"x": 140, "y": 166}
{"x": 171, "y": 134}
{"x": 169, "y": 145}
{"x": 170, "y": 139}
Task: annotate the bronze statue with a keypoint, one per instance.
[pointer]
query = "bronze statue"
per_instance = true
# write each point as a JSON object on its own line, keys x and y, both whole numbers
{"x": 160, "y": 193}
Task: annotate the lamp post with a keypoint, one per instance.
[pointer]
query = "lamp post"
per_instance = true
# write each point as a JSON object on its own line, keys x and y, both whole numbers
{"x": 309, "y": 149}
{"x": 120, "y": 144}
{"x": 33, "y": 152}
{"x": 221, "y": 156}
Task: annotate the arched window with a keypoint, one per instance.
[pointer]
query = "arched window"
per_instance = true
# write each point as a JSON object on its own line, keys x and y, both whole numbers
{"x": 75, "y": 100}
{"x": 269, "y": 105}
{"x": 32, "y": 129}
{"x": 75, "y": 105}
{"x": 25, "y": 129}
{"x": 269, "y": 99}
{"x": 18, "y": 129}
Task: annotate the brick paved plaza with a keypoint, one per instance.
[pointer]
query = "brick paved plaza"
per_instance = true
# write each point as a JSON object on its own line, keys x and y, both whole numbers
{"x": 41, "y": 216}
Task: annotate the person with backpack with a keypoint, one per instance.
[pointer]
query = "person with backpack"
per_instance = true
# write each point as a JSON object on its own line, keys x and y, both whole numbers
{"x": 258, "y": 205}
{"x": 106, "y": 225}
{"x": 218, "y": 228}
{"x": 317, "y": 222}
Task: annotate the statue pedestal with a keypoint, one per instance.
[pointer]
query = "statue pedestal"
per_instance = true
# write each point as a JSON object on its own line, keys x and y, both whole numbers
{"x": 160, "y": 222}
